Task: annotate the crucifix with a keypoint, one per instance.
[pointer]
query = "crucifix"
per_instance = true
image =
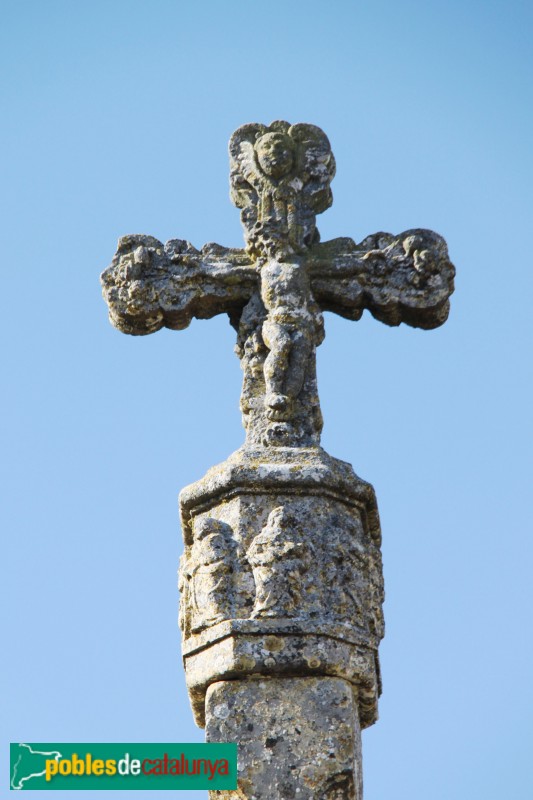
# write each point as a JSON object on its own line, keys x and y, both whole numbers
{"x": 281, "y": 579}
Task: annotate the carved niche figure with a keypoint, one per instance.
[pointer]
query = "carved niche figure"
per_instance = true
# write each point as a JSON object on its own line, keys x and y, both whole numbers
{"x": 184, "y": 613}
{"x": 211, "y": 567}
{"x": 377, "y": 593}
{"x": 353, "y": 582}
{"x": 357, "y": 573}
{"x": 278, "y": 558}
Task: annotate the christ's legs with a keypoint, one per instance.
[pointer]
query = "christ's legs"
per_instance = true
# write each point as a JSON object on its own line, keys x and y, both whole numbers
{"x": 285, "y": 365}
{"x": 279, "y": 342}
{"x": 300, "y": 351}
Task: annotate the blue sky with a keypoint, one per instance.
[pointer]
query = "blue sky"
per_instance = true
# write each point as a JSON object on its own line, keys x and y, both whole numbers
{"x": 116, "y": 120}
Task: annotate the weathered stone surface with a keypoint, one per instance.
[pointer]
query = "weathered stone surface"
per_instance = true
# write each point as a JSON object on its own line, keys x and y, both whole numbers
{"x": 281, "y": 579}
{"x": 299, "y": 738}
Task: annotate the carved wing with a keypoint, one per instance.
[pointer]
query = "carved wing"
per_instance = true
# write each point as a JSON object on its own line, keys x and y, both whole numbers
{"x": 406, "y": 278}
{"x": 149, "y": 285}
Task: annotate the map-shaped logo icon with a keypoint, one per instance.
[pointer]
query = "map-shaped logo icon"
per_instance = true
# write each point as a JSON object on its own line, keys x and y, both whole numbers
{"x": 29, "y": 763}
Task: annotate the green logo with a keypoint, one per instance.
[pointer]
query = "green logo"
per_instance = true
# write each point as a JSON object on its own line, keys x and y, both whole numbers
{"x": 123, "y": 766}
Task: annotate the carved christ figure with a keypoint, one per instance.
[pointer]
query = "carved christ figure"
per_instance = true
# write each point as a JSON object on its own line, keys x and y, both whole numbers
{"x": 293, "y": 327}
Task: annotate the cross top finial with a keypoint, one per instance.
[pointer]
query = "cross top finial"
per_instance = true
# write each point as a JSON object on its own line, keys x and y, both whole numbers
{"x": 280, "y": 179}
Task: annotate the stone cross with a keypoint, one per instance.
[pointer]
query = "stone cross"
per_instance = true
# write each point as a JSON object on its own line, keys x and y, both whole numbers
{"x": 281, "y": 579}
{"x": 276, "y": 289}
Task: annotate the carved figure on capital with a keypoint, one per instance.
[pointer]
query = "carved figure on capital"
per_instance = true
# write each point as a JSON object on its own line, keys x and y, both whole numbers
{"x": 352, "y": 579}
{"x": 211, "y": 566}
{"x": 377, "y": 593}
{"x": 279, "y": 558}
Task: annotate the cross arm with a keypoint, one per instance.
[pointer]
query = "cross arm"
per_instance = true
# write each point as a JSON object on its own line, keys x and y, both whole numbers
{"x": 405, "y": 278}
{"x": 150, "y": 285}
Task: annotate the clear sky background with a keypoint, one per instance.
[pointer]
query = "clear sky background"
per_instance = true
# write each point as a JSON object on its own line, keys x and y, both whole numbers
{"x": 115, "y": 119}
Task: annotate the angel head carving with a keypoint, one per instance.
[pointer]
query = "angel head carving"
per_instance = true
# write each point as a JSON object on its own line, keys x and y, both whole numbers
{"x": 275, "y": 154}
{"x": 280, "y": 179}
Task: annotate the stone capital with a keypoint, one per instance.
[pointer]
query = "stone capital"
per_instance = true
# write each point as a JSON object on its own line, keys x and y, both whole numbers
{"x": 290, "y": 580}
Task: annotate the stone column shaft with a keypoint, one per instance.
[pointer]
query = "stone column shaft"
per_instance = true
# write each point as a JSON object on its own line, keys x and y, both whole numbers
{"x": 299, "y": 738}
